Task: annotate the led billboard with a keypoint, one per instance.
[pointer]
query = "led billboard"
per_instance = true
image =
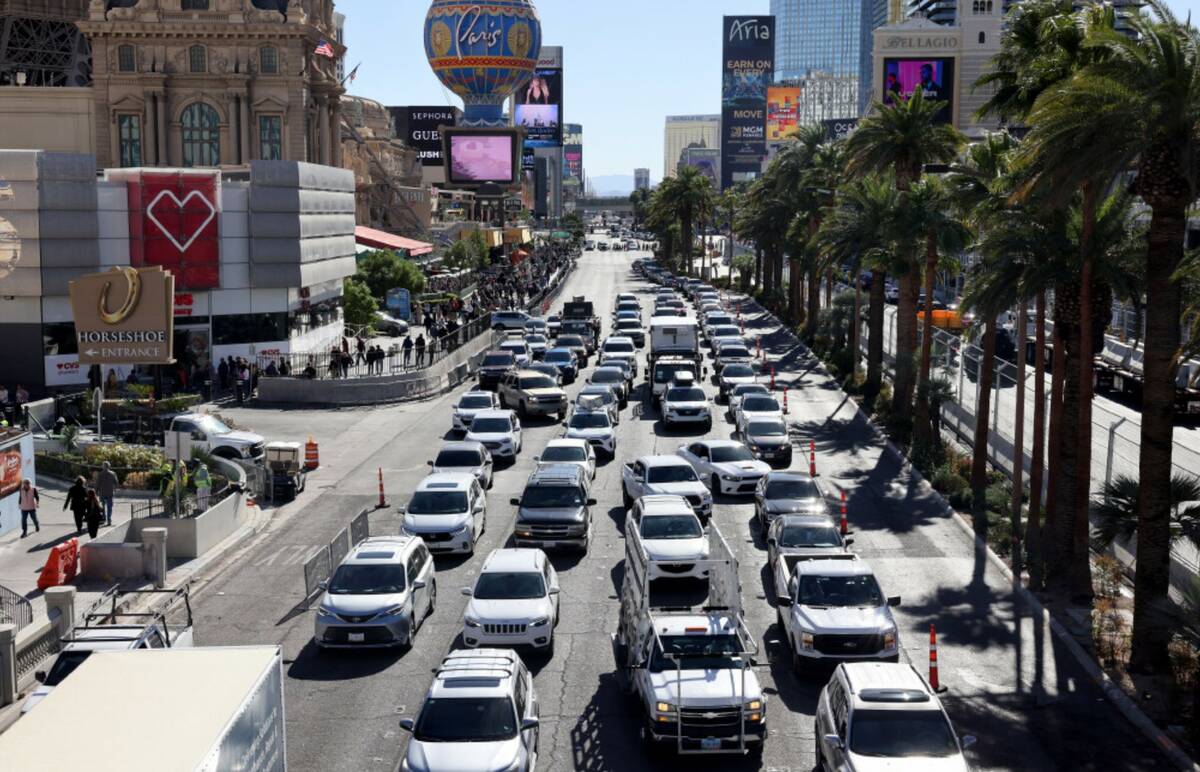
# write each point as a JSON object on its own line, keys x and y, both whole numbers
{"x": 419, "y": 127}
{"x": 747, "y": 69}
{"x": 783, "y": 112}
{"x": 475, "y": 156}
{"x": 933, "y": 75}
{"x": 539, "y": 103}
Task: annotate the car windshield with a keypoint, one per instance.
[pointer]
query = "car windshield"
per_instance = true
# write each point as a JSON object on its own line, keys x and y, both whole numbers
{"x": 496, "y": 360}
{"x": 367, "y": 579}
{"x": 730, "y": 352}
{"x": 603, "y": 392}
{"x": 901, "y": 733}
{"x": 667, "y": 373}
{"x": 758, "y": 404}
{"x": 792, "y": 489}
{"x": 491, "y": 426}
{"x": 552, "y": 497}
{"x": 725, "y": 331}
{"x": 558, "y": 356}
{"x": 629, "y": 324}
{"x": 510, "y": 585}
{"x": 744, "y": 389}
{"x": 65, "y": 665}
{"x": 860, "y": 591}
{"x": 766, "y": 429}
{"x": 701, "y": 652}
{"x": 466, "y": 719}
{"x": 809, "y": 536}
{"x": 618, "y": 347}
{"x": 481, "y": 402}
{"x": 671, "y": 527}
{"x": 723, "y": 319}
{"x": 515, "y": 348}
{"x": 726, "y": 453}
{"x": 670, "y": 474}
{"x": 452, "y": 458}
{"x": 570, "y": 340}
{"x": 535, "y": 338}
{"x": 564, "y": 453}
{"x": 590, "y": 421}
{"x": 210, "y": 425}
{"x": 439, "y": 502}
{"x": 539, "y": 382}
{"x": 608, "y": 375}
{"x": 685, "y": 394}
{"x": 737, "y": 371}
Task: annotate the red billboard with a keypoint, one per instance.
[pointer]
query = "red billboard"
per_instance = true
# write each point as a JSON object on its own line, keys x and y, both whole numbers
{"x": 174, "y": 222}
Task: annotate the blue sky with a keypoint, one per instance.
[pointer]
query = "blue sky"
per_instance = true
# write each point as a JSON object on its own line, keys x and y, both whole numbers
{"x": 628, "y": 64}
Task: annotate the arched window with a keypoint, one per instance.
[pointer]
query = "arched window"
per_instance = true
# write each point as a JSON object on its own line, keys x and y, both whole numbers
{"x": 197, "y": 59}
{"x": 982, "y": 38}
{"x": 201, "y": 128}
{"x": 989, "y": 6}
{"x": 125, "y": 58}
{"x": 268, "y": 60}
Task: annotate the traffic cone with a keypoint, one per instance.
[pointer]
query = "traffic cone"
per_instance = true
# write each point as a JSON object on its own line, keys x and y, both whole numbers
{"x": 812, "y": 458}
{"x": 312, "y": 458}
{"x": 785, "y": 404}
{"x": 382, "y": 500}
{"x": 933, "y": 663}
{"x": 845, "y": 528}
{"x": 772, "y": 377}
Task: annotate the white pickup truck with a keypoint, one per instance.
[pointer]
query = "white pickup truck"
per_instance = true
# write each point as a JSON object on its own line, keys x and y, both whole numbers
{"x": 207, "y": 432}
{"x": 665, "y": 474}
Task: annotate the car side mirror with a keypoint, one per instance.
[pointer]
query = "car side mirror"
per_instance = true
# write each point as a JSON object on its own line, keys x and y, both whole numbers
{"x": 40, "y": 677}
{"x": 894, "y": 601}
{"x": 553, "y": 591}
{"x": 783, "y": 600}
{"x": 537, "y": 458}
{"x": 529, "y": 723}
{"x": 429, "y": 463}
{"x": 401, "y": 509}
{"x": 467, "y": 591}
{"x": 322, "y": 585}
{"x": 591, "y": 502}
{"x": 833, "y": 740}
{"x": 968, "y": 740}
{"x": 407, "y": 724}
{"x": 515, "y": 502}
{"x": 418, "y": 584}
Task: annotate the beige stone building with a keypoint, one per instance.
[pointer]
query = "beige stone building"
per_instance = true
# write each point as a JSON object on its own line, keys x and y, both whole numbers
{"x": 213, "y": 83}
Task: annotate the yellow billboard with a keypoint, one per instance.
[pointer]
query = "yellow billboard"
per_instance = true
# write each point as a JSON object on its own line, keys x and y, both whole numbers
{"x": 783, "y": 111}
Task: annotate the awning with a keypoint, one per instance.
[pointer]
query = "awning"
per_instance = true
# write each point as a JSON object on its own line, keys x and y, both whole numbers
{"x": 384, "y": 240}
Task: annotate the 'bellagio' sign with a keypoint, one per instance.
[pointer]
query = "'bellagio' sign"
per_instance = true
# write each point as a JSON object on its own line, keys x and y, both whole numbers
{"x": 124, "y": 316}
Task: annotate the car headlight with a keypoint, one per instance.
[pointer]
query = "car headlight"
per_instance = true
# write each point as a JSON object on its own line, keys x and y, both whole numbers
{"x": 755, "y": 710}
{"x": 889, "y": 638}
{"x": 665, "y": 711}
{"x": 325, "y": 611}
{"x": 539, "y": 621}
{"x": 729, "y": 477}
{"x": 523, "y": 531}
{"x": 472, "y": 622}
{"x": 460, "y": 529}
{"x": 806, "y": 641}
{"x": 404, "y": 529}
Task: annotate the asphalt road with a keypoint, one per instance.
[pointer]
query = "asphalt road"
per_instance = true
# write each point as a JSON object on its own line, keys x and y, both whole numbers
{"x": 1009, "y": 683}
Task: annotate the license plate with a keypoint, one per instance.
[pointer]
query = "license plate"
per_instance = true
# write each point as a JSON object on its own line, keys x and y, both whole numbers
{"x": 549, "y": 545}
{"x": 710, "y": 744}
{"x": 356, "y": 637}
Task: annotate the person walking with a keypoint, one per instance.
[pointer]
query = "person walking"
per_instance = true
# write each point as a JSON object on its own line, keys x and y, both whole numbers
{"x": 77, "y": 502}
{"x": 408, "y": 347}
{"x": 92, "y": 512}
{"x": 223, "y": 375}
{"x": 106, "y": 489}
{"x": 360, "y": 347}
{"x": 28, "y": 502}
{"x": 203, "y": 483}
{"x": 420, "y": 349}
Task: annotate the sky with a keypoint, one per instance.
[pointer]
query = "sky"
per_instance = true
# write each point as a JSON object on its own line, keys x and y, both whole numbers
{"x": 627, "y": 65}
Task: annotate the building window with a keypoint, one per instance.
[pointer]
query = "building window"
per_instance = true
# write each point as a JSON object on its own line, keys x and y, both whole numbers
{"x": 197, "y": 59}
{"x": 270, "y": 137}
{"x": 232, "y": 329}
{"x": 195, "y": 5}
{"x": 268, "y": 60}
{"x": 982, "y": 38}
{"x": 201, "y": 128}
{"x": 125, "y": 59}
{"x": 129, "y": 134}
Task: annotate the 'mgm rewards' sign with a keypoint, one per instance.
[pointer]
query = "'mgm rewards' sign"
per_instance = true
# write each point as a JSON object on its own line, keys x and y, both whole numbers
{"x": 124, "y": 316}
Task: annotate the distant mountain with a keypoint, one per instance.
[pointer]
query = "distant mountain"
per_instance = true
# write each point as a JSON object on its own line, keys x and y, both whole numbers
{"x": 612, "y": 184}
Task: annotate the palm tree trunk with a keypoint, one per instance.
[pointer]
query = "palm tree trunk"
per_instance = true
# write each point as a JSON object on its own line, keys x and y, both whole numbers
{"x": 777, "y": 267}
{"x": 1018, "y": 487}
{"x": 856, "y": 328}
{"x": 795, "y": 279}
{"x": 923, "y": 427}
{"x": 979, "y": 478}
{"x": 1058, "y": 381}
{"x": 1033, "y": 528}
{"x": 758, "y": 266}
{"x": 814, "y": 302}
{"x": 1060, "y": 572}
{"x": 875, "y": 337}
{"x": 1081, "y": 573}
{"x": 906, "y": 344}
{"x": 1151, "y": 625}
{"x": 685, "y": 232}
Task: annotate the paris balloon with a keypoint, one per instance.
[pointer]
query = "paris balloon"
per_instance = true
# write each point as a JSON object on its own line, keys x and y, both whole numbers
{"x": 482, "y": 51}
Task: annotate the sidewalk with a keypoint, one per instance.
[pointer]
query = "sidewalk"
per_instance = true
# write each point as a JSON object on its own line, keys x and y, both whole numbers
{"x": 22, "y": 559}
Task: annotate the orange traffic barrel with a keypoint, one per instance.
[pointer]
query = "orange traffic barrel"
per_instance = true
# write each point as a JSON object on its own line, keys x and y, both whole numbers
{"x": 312, "y": 458}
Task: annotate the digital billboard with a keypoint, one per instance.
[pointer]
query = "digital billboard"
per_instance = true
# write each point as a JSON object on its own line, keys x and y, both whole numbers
{"x": 539, "y": 103}
{"x": 573, "y": 162}
{"x": 707, "y": 160}
{"x": 418, "y": 127}
{"x": 783, "y": 112}
{"x": 481, "y": 155}
{"x": 837, "y": 129}
{"x": 933, "y": 75}
{"x": 747, "y": 69}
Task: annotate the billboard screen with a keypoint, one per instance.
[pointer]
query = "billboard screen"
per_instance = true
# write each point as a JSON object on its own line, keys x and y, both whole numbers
{"x": 747, "y": 69}
{"x": 539, "y": 106}
{"x": 573, "y": 162}
{"x": 783, "y": 111}
{"x": 418, "y": 128}
{"x": 572, "y": 134}
{"x": 839, "y": 128}
{"x": 933, "y": 75}
{"x": 707, "y": 160}
{"x": 479, "y": 155}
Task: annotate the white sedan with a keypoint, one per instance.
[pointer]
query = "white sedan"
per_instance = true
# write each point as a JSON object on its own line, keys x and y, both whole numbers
{"x": 727, "y": 466}
{"x": 757, "y": 406}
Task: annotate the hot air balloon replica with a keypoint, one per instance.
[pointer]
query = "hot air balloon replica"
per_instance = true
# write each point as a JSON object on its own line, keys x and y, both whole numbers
{"x": 483, "y": 52}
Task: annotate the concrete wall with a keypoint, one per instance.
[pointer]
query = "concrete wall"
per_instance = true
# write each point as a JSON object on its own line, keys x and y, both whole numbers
{"x": 61, "y": 120}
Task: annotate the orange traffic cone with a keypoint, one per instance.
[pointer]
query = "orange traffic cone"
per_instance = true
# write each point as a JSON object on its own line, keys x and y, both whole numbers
{"x": 933, "y": 663}
{"x": 845, "y": 523}
{"x": 812, "y": 458}
{"x": 382, "y": 500}
{"x": 312, "y": 458}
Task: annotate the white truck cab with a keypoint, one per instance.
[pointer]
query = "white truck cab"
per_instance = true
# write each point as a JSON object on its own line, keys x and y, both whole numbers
{"x": 210, "y": 434}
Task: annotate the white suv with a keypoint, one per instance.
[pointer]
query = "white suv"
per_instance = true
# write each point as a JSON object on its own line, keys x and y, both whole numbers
{"x": 480, "y": 715}
{"x": 497, "y": 430}
{"x": 877, "y": 715}
{"x": 569, "y": 451}
{"x": 514, "y": 602}
{"x": 471, "y": 404}
{"x": 672, "y": 536}
{"x": 684, "y": 402}
{"x": 448, "y": 512}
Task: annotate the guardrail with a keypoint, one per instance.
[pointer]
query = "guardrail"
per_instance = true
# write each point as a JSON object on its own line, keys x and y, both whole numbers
{"x": 15, "y": 609}
{"x": 320, "y": 565}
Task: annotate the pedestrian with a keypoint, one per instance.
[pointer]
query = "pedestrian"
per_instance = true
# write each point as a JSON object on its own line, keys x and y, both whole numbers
{"x": 223, "y": 375}
{"x": 92, "y": 513}
{"x": 106, "y": 489}
{"x": 203, "y": 482}
{"x": 28, "y": 501}
{"x": 272, "y": 370}
{"x": 335, "y": 362}
{"x": 420, "y": 345}
{"x": 347, "y": 360}
{"x": 284, "y": 370}
{"x": 408, "y": 347}
{"x": 77, "y": 502}
{"x": 360, "y": 347}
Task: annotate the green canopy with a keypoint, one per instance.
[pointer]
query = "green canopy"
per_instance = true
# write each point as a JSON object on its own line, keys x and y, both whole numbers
{"x": 560, "y": 235}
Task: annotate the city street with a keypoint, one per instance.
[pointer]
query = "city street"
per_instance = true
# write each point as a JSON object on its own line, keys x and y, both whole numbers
{"x": 1010, "y": 682}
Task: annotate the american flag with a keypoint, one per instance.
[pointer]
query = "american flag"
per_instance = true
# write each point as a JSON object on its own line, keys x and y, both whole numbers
{"x": 324, "y": 49}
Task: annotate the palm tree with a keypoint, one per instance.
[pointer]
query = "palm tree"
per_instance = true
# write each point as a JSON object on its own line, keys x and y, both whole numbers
{"x": 690, "y": 195}
{"x": 1116, "y": 509}
{"x": 903, "y": 138}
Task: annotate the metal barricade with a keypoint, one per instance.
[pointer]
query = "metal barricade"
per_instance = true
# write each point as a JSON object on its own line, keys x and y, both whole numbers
{"x": 316, "y": 570}
{"x": 339, "y": 547}
{"x": 360, "y": 528}
{"x": 14, "y": 608}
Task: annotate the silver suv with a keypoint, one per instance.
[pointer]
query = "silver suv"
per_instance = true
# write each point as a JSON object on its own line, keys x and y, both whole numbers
{"x": 555, "y": 509}
{"x": 481, "y": 713}
{"x": 533, "y": 393}
{"x": 378, "y": 595}
{"x": 877, "y": 715}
